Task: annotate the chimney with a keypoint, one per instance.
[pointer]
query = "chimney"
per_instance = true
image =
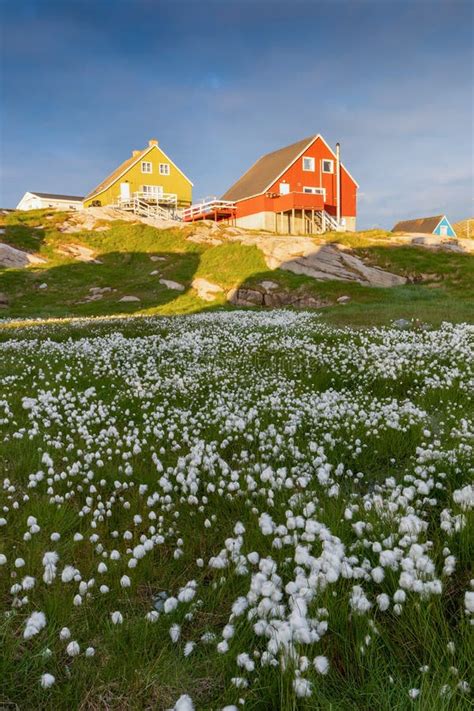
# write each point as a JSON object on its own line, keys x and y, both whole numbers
{"x": 338, "y": 182}
{"x": 152, "y": 142}
{"x": 135, "y": 153}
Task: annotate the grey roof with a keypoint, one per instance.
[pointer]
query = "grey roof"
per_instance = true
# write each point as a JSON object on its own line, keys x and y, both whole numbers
{"x": 425, "y": 225}
{"x": 265, "y": 171}
{"x": 54, "y": 196}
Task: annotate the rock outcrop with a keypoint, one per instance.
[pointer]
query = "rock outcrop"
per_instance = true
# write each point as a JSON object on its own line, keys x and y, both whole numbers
{"x": 301, "y": 255}
{"x": 248, "y": 296}
{"x": 13, "y": 258}
{"x": 79, "y": 252}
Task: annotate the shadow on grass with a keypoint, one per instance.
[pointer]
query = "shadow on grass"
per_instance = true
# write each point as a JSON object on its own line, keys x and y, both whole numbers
{"x": 119, "y": 282}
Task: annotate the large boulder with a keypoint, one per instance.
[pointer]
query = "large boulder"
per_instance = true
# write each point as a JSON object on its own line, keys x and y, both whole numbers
{"x": 13, "y": 258}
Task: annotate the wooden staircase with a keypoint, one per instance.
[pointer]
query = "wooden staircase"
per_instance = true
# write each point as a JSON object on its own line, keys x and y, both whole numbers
{"x": 139, "y": 207}
{"x": 326, "y": 222}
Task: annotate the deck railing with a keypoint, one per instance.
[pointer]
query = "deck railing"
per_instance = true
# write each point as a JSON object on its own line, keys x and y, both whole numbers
{"x": 209, "y": 206}
{"x": 157, "y": 198}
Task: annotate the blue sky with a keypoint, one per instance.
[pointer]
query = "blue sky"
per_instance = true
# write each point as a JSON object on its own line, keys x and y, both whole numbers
{"x": 221, "y": 82}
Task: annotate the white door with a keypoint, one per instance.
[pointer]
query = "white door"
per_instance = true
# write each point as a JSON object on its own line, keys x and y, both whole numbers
{"x": 125, "y": 191}
{"x": 284, "y": 188}
{"x": 444, "y": 230}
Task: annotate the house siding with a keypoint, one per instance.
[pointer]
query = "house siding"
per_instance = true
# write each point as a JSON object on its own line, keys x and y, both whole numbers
{"x": 449, "y": 230}
{"x": 297, "y": 178}
{"x": 258, "y": 211}
{"x": 175, "y": 182}
{"x": 34, "y": 202}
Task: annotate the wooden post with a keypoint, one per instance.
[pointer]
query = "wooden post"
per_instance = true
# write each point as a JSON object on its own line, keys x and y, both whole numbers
{"x": 312, "y": 221}
{"x": 323, "y": 221}
{"x": 292, "y": 230}
{"x": 276, "y": 222}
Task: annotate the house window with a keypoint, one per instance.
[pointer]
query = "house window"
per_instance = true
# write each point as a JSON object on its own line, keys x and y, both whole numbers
{"x": 164, "y": 168}
{"x": 308, "y": 164}
{"x": 314, "y": 191}
{"x": 146, "y": 166}
{"x": 155, "y": 190}
{"x": 328, "y": 166}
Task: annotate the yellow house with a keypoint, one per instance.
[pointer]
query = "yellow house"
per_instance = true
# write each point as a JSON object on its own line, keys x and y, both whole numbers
{"x": 148, "y": 175}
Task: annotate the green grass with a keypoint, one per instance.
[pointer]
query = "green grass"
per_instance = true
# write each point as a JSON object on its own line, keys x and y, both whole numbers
{"x": 441, "y": 284}
{"x": 178, "y": 383}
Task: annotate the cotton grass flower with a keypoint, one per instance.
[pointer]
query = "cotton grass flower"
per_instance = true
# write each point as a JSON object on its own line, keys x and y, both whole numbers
{"x": 321, "y": 664}
{"x": 73, "y": 649}
{"x": 47, "y": 680}
{"x": 35, "y": 623}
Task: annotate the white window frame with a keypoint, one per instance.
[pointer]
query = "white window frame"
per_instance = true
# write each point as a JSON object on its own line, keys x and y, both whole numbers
{"x": 154, "y": 190}
{"x": 147, "y": 167}
{"x": 164, "y": 169}
{"x": 327, "y": 160}
{"x": 310, "y": 190}
{"x": 313, "y": 163}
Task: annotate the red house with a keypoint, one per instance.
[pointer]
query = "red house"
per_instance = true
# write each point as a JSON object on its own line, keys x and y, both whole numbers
{"x": 300, "y": 189}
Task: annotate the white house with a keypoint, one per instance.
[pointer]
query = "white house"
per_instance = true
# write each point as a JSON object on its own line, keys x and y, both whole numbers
{"x": 39, "y": 201}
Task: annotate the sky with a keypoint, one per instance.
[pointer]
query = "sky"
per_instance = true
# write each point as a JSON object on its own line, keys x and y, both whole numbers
{"x": 221, "y": 82}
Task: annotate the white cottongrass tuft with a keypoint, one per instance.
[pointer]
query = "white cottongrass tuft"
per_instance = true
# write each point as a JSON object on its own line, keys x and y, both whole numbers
{"x": 34, "y": 624}
{"x": 175, "y": 632}
{"x": 184, "y": 703}
{"x": 302, "y": 687}
{"x": 47, "y": 680}
{"x": 116, "y": 617}
{"x": 321, "y": 664}
{"x": 65, "y": 633}
{"x": 73, "y": 649}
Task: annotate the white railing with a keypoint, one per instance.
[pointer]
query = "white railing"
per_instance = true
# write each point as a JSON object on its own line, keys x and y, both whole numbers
{"x": 157, "y": 198}
{"x": 140, "y": 207}
{"x": 208, "y": 206}
{"x": 326, "y": 222}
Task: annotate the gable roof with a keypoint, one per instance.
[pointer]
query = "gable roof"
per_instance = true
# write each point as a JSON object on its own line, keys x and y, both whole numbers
{"x": 425, "y": 225}
{"x": 126, "y": 165}
{"x": 267, "y": 169}
{"x": 54, "y": 196}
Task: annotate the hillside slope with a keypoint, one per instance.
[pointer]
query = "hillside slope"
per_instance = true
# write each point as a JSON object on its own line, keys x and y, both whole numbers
{"x": 131, "y": 267}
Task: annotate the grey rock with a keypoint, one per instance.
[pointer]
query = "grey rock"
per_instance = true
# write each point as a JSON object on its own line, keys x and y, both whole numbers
{"x": 170, "y": 284}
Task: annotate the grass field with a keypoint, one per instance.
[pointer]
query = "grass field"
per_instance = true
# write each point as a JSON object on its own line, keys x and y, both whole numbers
{"x": 236, "y": 510}
{"x": 441, "y": 288}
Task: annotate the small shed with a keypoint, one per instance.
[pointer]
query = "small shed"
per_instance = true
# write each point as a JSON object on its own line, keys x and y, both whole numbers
{"x": 437, "y": 225}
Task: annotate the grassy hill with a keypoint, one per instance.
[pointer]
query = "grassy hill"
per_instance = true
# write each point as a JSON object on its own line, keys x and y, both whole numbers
{"x": 125, "y": 255}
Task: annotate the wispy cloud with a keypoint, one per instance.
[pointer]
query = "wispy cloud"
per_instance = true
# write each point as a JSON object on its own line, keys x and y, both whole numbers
{"x": 222, "y": 83}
